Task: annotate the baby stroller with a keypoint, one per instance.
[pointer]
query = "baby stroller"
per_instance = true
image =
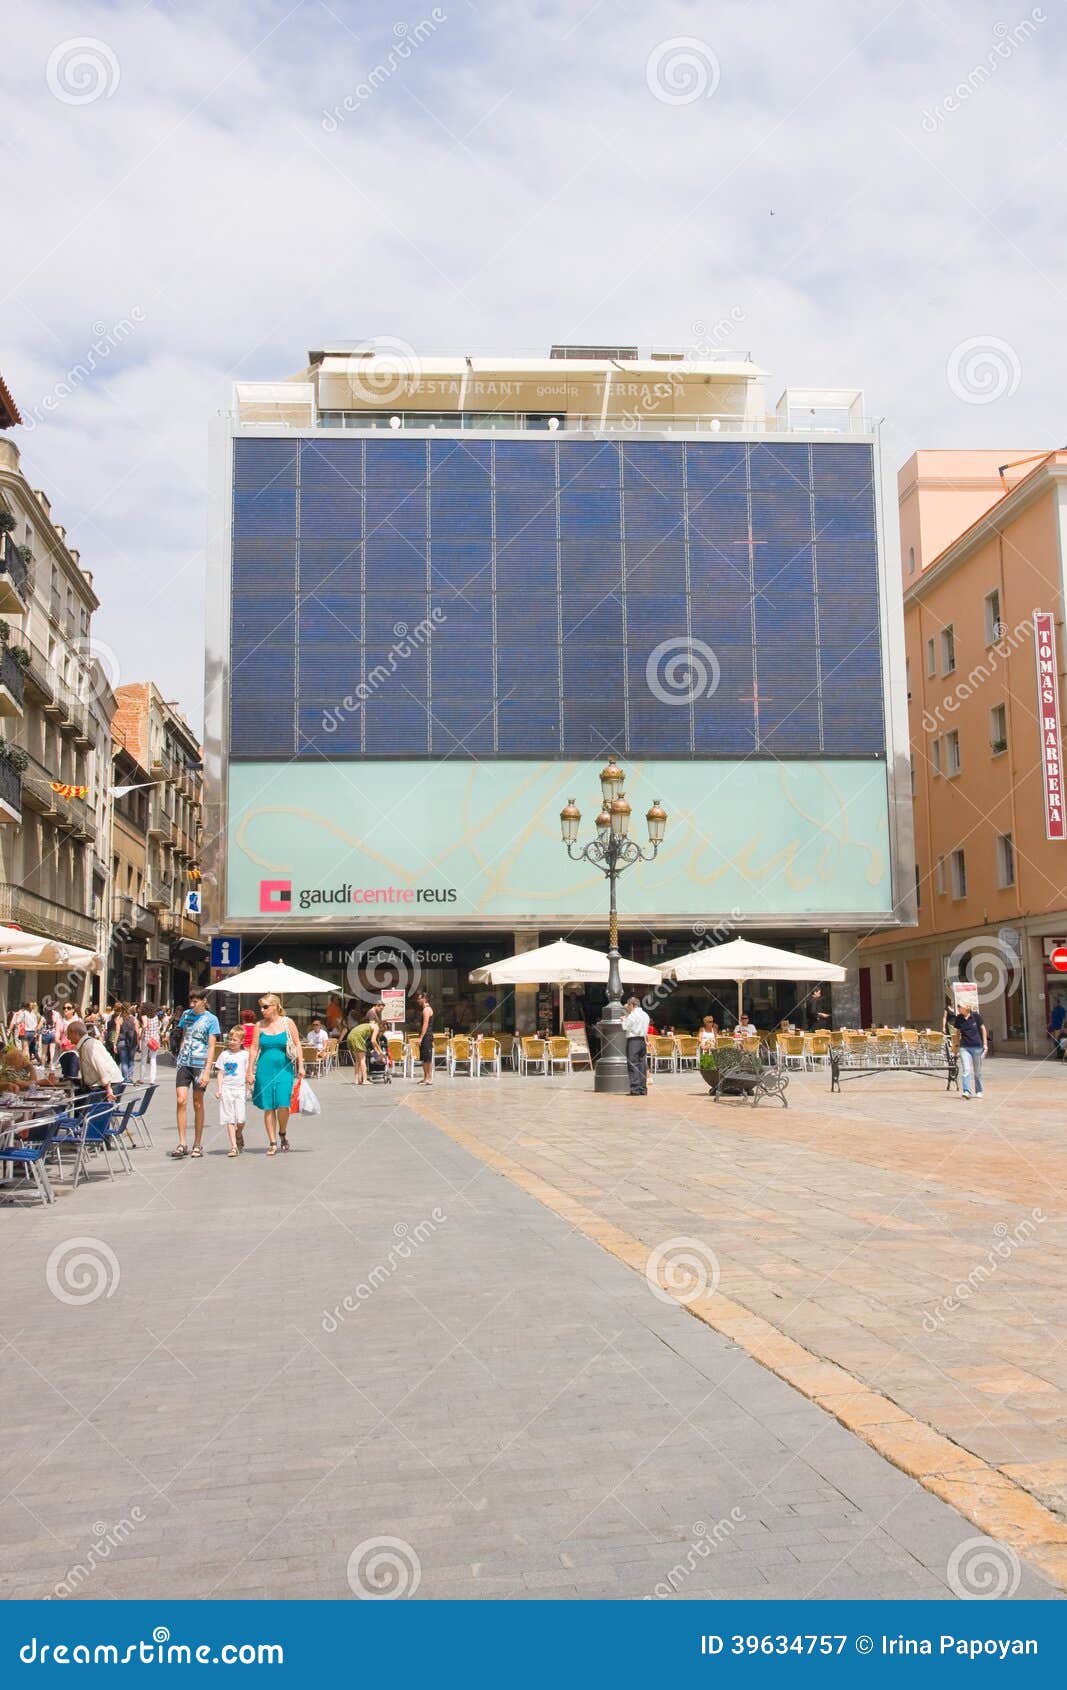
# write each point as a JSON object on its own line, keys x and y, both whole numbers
{"x": 378, "y": 1068}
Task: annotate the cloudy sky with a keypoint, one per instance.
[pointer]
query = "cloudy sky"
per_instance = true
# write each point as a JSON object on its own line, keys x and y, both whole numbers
{"x": 873, "y": 191}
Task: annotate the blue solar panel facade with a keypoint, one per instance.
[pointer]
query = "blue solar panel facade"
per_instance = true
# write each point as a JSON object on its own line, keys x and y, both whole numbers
{"x": 429, "y": 596}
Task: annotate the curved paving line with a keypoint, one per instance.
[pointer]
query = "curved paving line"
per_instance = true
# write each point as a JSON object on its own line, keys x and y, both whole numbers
{"x": 981, "y": 1493}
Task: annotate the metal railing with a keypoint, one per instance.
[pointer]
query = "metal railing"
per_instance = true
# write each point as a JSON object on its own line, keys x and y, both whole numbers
{"x": 638, "y": 421}
{"x": 11, "y": 564}
{"x": 132, "y": 916}
{"x": 75, "y": 813}
{"x": 12, "y": 675}
{"x": 11, "y": 787}
{"x": 55, "y": 691}
{"x": 38, "y": 914}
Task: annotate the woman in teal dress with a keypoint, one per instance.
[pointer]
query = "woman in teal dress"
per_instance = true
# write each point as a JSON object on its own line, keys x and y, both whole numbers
{"x": 275, "y": 1063}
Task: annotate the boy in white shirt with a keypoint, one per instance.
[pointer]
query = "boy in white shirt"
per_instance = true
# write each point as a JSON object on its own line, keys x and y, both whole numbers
{"x": 231, "y": 1073}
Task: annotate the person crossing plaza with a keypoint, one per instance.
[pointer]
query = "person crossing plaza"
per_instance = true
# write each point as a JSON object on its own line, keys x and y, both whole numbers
{"x": 200, "y": 1031}
{"x": 231, "y": 1076}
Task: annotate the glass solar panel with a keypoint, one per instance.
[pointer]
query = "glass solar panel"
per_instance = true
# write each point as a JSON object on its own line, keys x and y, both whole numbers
{"x": 554, "y": 597}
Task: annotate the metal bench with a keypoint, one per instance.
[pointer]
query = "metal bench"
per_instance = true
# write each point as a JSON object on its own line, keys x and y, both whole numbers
{"x": 847, "y": 1071}
{"x": 738, "y": 1082}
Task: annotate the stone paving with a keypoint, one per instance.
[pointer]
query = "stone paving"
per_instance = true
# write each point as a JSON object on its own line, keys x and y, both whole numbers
{"x": 235, "y": 1378}
{"x": 913, "y": 1239}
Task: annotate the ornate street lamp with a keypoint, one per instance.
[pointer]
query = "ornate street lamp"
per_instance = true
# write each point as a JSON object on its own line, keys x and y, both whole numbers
{"x": 612, "y": 851}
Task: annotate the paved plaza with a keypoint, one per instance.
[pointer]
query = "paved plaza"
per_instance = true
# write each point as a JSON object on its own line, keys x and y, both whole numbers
{"x": 433, "y": 1324}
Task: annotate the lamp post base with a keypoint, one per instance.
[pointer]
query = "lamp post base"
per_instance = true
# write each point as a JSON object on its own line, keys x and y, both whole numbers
{"x": 612, "y": 1074}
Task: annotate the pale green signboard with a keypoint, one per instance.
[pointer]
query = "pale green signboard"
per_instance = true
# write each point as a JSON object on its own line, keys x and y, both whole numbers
{"x": 468, "y": 842}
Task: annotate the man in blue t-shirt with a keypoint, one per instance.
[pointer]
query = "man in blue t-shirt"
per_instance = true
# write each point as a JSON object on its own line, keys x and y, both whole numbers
{"x": 1056, "y": 1029}
{"x": 199, "y": 1029}
{"x": 974, "y": 1044}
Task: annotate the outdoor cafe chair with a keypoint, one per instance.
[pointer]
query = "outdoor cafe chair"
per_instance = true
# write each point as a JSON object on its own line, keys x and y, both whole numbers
{"x": 312, "y": 1059}
{"x": 29, "y": 1155}
{"x": 329, "y": 1056}
{"x": 509, "y": 1049}
{"x": 440, "y": 1049}
{"x": 101, "y": 1129}
{"x": 411, "y": 1056}
{"x": 460, "y": 1054}
{"x": 559, "y": 1055}
{"x": 394, "y": 1044}
{"x": 818, "y": 1050}
{"x": 487, "y": 1054}
{"x": 885, "y": 1048}
{"x": 791, "y": 1046}
{"x": 855, "y": 1048}
{"x": 533, "y": 1054}
{"x": 686, "y": 1050}
{"x": 137, "y": 1119}
{"x": 662, "y": 1053}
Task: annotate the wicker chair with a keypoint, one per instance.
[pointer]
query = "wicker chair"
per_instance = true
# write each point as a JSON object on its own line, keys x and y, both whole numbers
{"x": 662, "y": 1054}
{"x": 533, "y": 1055}
{"x": 488, "y": 1055}
{"x": 460, "y": 1054}
{"x": 559, "y": 1055}
{"x": 686, "y": 1050}
{"x": 792, "y": 1052}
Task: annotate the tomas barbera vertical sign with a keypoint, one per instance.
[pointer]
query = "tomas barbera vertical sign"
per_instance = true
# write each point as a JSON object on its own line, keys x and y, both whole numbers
{"x": 1048, "y": 713}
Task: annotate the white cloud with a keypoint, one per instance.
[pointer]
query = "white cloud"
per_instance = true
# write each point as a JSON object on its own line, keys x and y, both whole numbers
{"x": 511, "y": 181}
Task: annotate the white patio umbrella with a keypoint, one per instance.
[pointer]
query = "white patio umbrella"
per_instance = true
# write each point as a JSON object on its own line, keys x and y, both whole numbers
{"x": 275, "y": 977}
{"x": 743, "y": 960}
{"x": 561, "y": 964}
{"x": 35, "y": 952}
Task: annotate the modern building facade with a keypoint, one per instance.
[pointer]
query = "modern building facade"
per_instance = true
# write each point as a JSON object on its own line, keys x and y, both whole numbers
{"x": 55, "y": 757}
{"x": 450, "y": 589}
{"x": 158, "y": 838}
{"x": 984, "y": 542}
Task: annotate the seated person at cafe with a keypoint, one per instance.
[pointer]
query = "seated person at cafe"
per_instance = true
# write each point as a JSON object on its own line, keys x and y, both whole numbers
{"x": 316, "y": 1035}
{"x": 708, "y": 1033}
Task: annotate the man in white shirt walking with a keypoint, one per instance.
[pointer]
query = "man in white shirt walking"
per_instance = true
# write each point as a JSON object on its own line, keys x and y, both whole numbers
{"x": 635, "y": 1025}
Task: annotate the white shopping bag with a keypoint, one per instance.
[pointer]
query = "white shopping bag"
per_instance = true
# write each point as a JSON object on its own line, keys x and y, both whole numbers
{"x": 309, "y": 1103}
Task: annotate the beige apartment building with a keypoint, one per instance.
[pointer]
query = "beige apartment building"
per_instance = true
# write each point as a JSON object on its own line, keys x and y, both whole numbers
{"x": 156, "y": 851}
{"x": 983, "y": 537}
{"x": 55, "y": 702}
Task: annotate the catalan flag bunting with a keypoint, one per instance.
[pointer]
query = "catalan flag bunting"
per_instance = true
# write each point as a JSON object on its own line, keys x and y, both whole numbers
{"x": 66, "y": 791}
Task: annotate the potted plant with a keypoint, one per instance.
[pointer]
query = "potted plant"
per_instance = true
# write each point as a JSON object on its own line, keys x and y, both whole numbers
{"x": 709, "y": 1069}
{"x": 7, "y": 521}
{"x": 21, "y": 655}
{"x": 14, "y": 757}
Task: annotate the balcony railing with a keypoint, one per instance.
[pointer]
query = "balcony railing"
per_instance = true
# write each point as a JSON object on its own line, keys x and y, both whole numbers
{"x": 38, "y": 914}
{"x": 73, "y": 813}
{"x": 58, "y": 699}
{"x": 638, "y": 421}
{"x": 133, "y": 917}
{"x": 12, "y": 683}
{"x": 10, "y": 793}
{"x": 14, "y": 578}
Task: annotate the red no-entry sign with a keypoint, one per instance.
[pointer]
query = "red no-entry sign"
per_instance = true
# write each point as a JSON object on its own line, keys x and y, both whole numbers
{"x": 1058, "y": 959}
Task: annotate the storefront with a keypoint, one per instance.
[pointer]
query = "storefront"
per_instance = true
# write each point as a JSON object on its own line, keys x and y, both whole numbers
{"x": 441, "y": 965}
